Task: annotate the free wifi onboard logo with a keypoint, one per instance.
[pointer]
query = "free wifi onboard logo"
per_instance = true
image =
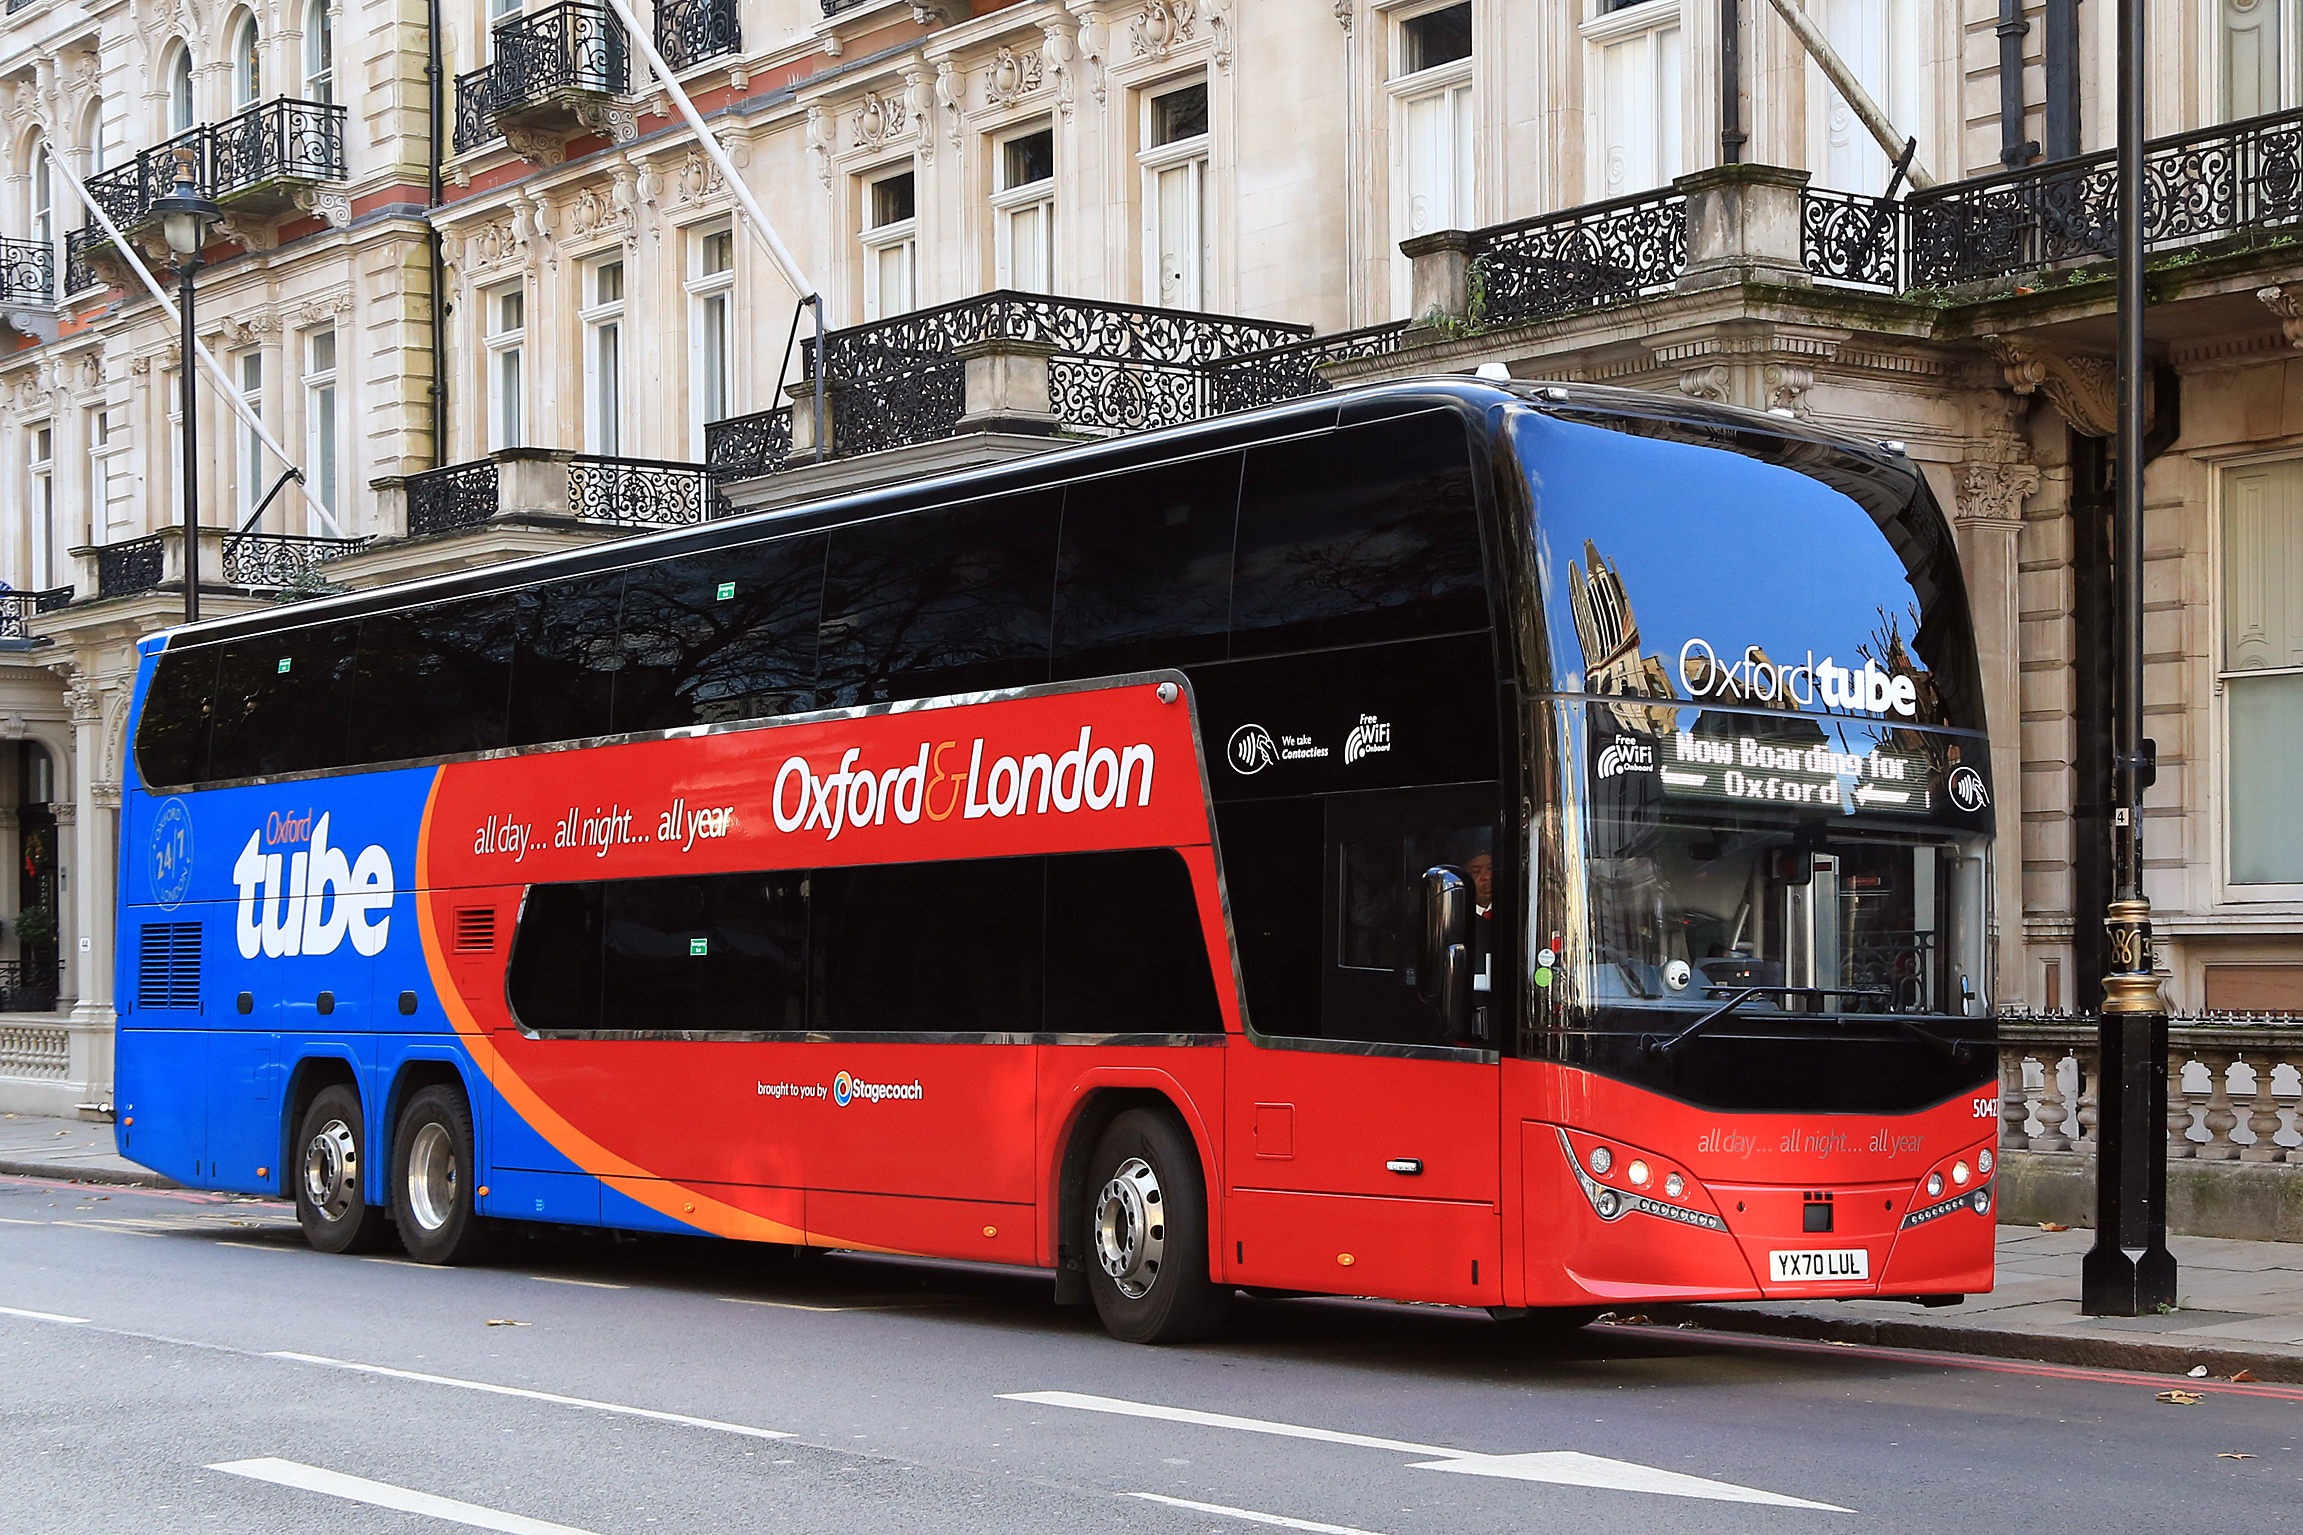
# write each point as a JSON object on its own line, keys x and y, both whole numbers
{"x": 846, "y": 1089}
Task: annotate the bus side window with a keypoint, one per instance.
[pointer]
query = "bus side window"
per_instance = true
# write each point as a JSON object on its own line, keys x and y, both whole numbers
{"x": 553, "y": 981}
{"x": 281, "y": 702}
{"x": 433, "y": 681}
{"x": 954, "y": 600}
{"x": 1143, "y": 570}
{"x": 1126, "y": 952}
{"x": 1273, "y": 852}
{"x": 926, "y": 947}
{"x": 719, "y": 952}
{"x": 1358, "y": 536}
{"x": 723, "y": 635}
{"x": 172, "y": 732}
{"x": 564, "y": 659}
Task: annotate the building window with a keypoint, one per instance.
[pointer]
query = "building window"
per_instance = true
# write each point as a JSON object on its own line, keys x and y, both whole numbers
{"x": 1178, "y": 248}
{"x": 248, "y": 373}
{"x": 507, "y": 319}
{"x": 603, "y": 318}
{"x": 247, "y": 67}
{"x": 1024, "y": 212}
{"x": 99, "y": 423}
{"x": 320, "y": 420}
{"x": 46, "y": 557}
{"x": 1885, "y": 43}
{"x": 43, "y": 198}
{"x": 1636, "y": 77}
{"x": 319, "y": 53}
{"x": 2262, "y": 674}
{"x": 1432, "y": 132}
{"x": 891, "y": 247}
{"x": 180, "y": 90}
{"x": 711, "y": 295}
{"x": 2259, "y": 73}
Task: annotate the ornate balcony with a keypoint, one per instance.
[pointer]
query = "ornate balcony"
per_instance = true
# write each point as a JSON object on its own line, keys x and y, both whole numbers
{"x": 17, "y": 610}
{"x": 266, "y": 159}
{"x": 551, "y": 485}
{"x": 2239, "y": 182}
{"x": 270, "y": 563}
{"x": 136, "y": 565}
{"x": 282, "y": 562}
{"x": 691, "y": 31}
{"x": 557, "y": 70}
{"x": 82, "y": 247}
{"x": 1580, "y": 258}
{"x": 27, "y": 272}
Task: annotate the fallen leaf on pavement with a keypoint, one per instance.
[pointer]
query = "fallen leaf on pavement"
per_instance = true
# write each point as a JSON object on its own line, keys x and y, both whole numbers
{"x": 2233, "y": 1455}
{"x": 2053, "y": 1226}
{"x": 2243, "y": 1376}
{"x": 2182, "y": 1398}
{"x": 505, "y": 1321}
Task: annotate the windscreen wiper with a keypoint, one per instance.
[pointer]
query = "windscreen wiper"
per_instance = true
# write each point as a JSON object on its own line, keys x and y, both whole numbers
{"x": 1666, "y": 1046}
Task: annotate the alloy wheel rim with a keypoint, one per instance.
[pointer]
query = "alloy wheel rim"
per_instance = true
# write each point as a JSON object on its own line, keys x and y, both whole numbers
{"x": 432, "y": 1177}
{"x": 1131, "y": 1228}
{"x": 332, "y": 1169}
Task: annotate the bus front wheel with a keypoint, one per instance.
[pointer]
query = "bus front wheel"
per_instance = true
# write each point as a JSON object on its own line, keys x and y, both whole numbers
{"x": 1147, "y": 1234}
{"x": 332, "y": 1201}
{"x": 432, "y": 1155}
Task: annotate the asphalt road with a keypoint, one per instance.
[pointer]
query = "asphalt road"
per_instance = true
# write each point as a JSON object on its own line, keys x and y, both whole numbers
{"x": 176, "y": 1362}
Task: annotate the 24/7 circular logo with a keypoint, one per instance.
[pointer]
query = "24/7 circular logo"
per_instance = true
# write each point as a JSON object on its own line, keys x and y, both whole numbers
{"x": 169, "y": 862}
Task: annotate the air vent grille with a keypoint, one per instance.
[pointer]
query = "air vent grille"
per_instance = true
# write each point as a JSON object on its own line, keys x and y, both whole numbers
{"x": 475, "y": 929}
{"x": 168, "y": 966}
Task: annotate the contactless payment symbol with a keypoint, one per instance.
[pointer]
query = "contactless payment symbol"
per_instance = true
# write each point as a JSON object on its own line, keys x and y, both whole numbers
{"x": 169, "y": 862}
{"x": 1252, "y": 749}
{"x": 1967, "y": 790}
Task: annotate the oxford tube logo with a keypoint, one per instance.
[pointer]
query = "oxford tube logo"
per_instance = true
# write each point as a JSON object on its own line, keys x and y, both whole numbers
{"x": 1752, "y": 678}
{"x": 299, "y": 895}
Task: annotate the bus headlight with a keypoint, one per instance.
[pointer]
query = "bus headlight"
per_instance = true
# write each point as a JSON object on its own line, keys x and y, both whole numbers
{"x": 1637, "y": 1172}
{"x": 1981, "y": 1200}
{"x": 1602, "y": 1159}
{"x": 1983, "y": 1161}
{"x": 1934, "y": 1184}
{"x": 1959, "y": 1173}
{"x": 1606, "y": 1204}
{"x": 1674, "y": 1186}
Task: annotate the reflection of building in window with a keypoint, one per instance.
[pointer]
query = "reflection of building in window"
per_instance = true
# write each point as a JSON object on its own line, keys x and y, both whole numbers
{"x": 1609, "y": 634}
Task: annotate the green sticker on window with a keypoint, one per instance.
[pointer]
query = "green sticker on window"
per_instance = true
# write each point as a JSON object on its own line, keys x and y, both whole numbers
{"x": 727, "y": 590}
{"x": 699, "y": 946}
{"x": 1543, "y": 979}
{"x": 284, "y": 663}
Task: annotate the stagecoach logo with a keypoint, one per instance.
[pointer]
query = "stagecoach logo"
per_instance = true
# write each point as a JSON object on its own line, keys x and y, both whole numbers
{"x": 1252, "y": 749}
{"x": 308, "y": 900}
{"x": 847, "y": 1089}
{"x": 1626, "y": 754}
{"x": 1967, "y": 790}
{"x": 1752, "y": 678}
{"x": 171, "y": 865}
{"x": 1368, "y": 738}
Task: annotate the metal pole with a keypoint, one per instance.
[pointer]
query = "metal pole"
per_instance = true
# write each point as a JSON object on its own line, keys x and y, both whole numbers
{"x": 2129, "y": 1271}
{"x": 184, "y": 373}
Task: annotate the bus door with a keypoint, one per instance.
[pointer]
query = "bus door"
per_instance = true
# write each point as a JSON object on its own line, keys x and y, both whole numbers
{"x": 1362, "y": 1128}
{"x": 242, "y": 1075}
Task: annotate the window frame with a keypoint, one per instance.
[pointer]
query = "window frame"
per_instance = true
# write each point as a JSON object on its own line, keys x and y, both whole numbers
{"x": 247, "y": 63}
{"x": 319, "y": 52}
{"x": 323, "y": 425}
{"x": 710, "y": 293}
{"x": 876, "y": 240}
{"x": 1605, "y": 29}
{"x": 183, "y": 103}
{"x": 1009, "y": 202}
{"x": 2250, "y": 896}
{"x": 1195, "y": 154}
{"x": 506, "y": 346}
{"x": 40, "y": 511}
{"x": 603, "y": 322}
{"x": 248, "y": 448}
{"x": 1453, "y": 83}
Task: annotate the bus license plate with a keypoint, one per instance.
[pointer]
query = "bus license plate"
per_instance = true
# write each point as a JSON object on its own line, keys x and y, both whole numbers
{"x": 1821, "y": 1264}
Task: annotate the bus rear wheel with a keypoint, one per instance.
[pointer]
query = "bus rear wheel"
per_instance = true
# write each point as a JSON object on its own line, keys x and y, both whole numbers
{"x": 1147, "y": 1234}
{"x": 332, "y": 1204}
{"x": 432, "y": 1158}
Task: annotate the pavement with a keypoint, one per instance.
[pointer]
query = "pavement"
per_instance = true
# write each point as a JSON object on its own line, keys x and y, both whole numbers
{"x": 2240, "y": 1303}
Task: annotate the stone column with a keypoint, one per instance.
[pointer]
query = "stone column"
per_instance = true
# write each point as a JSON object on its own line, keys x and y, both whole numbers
{"x": 1743, "y": 226}
{"x": 1989, "y": 521}
{"x": 79, "y": 825}
{"x": 1439, "y": 275}
{"x": 532, "y": 481}
{"x": 1009, "y": 387}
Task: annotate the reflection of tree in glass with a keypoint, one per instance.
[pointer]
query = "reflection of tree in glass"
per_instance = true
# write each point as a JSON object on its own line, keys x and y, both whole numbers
{"x": 693, "y": 656}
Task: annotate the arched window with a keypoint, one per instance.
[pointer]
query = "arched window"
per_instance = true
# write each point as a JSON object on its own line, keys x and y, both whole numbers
{"x": 319, "y": 53}
{"x": 92, "y": 134}
{"x": 43, "y": 198}
{"x": 247, "y": 75}
{"x": 180, "y": 90}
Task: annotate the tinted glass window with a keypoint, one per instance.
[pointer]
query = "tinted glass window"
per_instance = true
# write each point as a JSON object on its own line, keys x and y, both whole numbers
{"x": 172, "y": 732}
{"x": 564, "y": 659}
{"x": 954, "y": 600}
{"x": 1143, "y": 571}
{"x": 723, "y": 952}
{"x": 433, "y": 681}
{"x": 553, "y": 980}
{"x": 1272, "y": 858}
{"x": 727, "y": 634}
{"x": 281, "y": 702}
{"x": 1126, "y": 952}
{"x": 930, "y": 947}
{"x": 1355, "y": 536}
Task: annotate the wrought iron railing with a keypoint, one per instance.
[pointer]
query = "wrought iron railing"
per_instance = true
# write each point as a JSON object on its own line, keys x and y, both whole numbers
{"x": 641, "y": 490}
{"x": 27, "y": 272}
{"x": 691, "y": 31}
{"x": 743, "y": 446}
{"x": 17, "y": 609}
{"x": 1579, "y": 258}
{"x": 80, "y": 246}
{"x": 2232, "y": 181}
{"x": 1290, "y": 372}
{"x": 281, "y": 561}
{"x": 457, "y": 496}
{"x": 830, "y": 7}
{"x": 30, "y": 986}
{"x": 576, "y": 45}
{"x": 124, "y": 569}
{"x": 281, "y": 139}
{"x": 16, "y": 5}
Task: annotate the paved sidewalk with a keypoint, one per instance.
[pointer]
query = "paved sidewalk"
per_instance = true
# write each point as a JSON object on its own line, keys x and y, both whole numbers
{"x": 2241, "y": 1302}
{"x": 83, "y": 1150}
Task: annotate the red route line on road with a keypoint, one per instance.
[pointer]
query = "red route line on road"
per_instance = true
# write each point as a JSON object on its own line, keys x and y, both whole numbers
{"x": 2271, "y": 1389}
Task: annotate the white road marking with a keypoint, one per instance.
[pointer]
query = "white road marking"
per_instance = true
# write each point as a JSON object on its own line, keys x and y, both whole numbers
{"x": 41, "y": 1316}
{"x": 258, "y": 1247}
{"x": 589, "y": 1284}
{"x": 1565, "y": 1467}
{"x": 534, "y": 1396}
{"x": 1572, "y": 1468}
{"x": 1251, "y": 1516}
{"x": 103, "y": 1226}
{"x": 358, "y": 1489}
{"x": 10, "y": 1220}
{"x": 793, "y": 1305}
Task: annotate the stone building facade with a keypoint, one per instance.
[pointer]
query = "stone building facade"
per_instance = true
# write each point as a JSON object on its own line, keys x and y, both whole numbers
{"x": 534, "y": 316}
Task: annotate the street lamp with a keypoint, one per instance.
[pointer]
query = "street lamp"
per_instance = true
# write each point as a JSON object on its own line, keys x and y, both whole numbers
{"x": 184, "y": 219}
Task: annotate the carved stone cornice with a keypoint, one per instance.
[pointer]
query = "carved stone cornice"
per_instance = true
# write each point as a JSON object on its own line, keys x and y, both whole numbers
{"x": 2290, "y": 312}
{"x": 2085, "y": 389}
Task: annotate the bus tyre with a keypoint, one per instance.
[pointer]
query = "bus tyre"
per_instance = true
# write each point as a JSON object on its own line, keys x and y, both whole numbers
{"x": 432, "y": 1179}
{"x": 1147, "y": 1234}
{"x": 332, "y": 1187}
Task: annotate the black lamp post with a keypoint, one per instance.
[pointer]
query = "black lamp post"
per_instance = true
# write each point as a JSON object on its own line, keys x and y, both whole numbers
{"x": 184, "y": 219}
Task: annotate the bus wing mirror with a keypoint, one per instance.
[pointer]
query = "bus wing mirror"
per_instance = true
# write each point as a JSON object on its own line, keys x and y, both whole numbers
{"x": 1443, "y": 970}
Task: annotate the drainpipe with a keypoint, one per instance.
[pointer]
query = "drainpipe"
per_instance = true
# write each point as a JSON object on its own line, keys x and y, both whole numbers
{"x": 2062, "y": 79}
{"x": 2014, "y": 148}
{"x": 439, "y": 389}
{"x": 1732, "y": 138}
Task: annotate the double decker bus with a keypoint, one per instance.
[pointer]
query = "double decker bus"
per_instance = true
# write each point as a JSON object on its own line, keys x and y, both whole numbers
{"x": 1470, "y": 843}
